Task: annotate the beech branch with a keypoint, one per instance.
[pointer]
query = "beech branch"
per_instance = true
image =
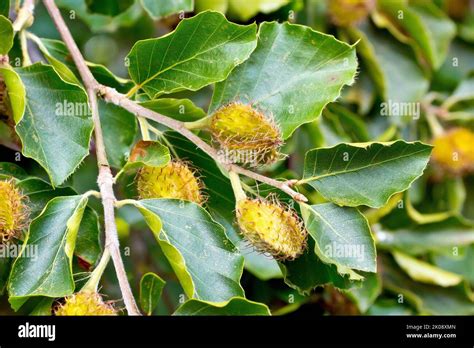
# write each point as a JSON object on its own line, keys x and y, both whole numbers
{"x": 105, "y": 178}
{"x": 112, "y": 96}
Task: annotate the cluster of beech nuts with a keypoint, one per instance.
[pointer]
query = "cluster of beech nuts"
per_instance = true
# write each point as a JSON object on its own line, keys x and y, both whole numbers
{"x": 271, "y": 227}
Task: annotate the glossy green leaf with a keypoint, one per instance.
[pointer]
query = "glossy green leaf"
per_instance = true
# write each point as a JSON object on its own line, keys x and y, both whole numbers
{"x": 4, "y": 7}
{"x": 40, "y": 193}
{"x": 215, "y": 5}
{"x": 8, "y": 170}
{"x": 6, "y": 33}
{"x": 308, "y": 272}
{"x": 88, "y": 246}
{"x": 158, "y": 9}
{"x": 56, "y": 52}
{"x": 120, "y": 129}
{"x": 42, "y": 306}
{"x": 204, "y": 260}
{"x": 16, "y": 91}
{"x": 244, "y": 9}
{"x": 56, "y": 128}
{"x": 151, "y": 287}
{"x": 53, "y": 236}
{"x": 179, "y": 109}
{"x": 417, "y": 240}
{"x": 149, "y": 153}
{"x": 428, "y": 299}
{"x": 458, "y": 260}
{"x": 202, "y": 50}
{"x": 463, "y": 92}
{"x": 368, "y": 291}
{"x": 98, "y": 21}
{"x": 389, "y": 307}
{"x": 424, "y": 272}
{"x": 292, "y": 74}
{"x": 5, "y": 267}
{"x": 346, "y": 122}
{"x": 342, "y": 237}
{"x": 422, "y": 25}
{"x": 456, "y": 67}
{"x": 366, "y": 173}
{"x": 391, "y": 65}
{"x": 235, "y": 306}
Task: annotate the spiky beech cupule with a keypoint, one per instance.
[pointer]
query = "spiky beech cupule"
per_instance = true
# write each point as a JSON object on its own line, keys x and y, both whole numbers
{"x": 272, "y": 228}
{"x": 454, "y": 151}
{"x": 85, "y": 303}
{"x": 249, "y": 136}
{"x": 175, "y": 180}
{"x": 13, "y": 211}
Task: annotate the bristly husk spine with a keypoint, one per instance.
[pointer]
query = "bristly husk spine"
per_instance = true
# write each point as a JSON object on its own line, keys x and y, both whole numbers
{"x": 85, "y": 303}
{"x": 178, "y": 180}
{"x": 13, "y": 211}
{"x": 252, "y": 136}
{"x": 272, "y": 228}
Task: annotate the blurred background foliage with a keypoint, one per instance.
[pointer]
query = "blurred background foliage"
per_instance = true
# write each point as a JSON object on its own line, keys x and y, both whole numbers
{"x": 409, "y": 51}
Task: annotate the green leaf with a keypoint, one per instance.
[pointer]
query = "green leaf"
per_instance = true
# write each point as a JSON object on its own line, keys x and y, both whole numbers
{"x": 8, "y": 170}
{"x": 88, "y": 246}
{"x": 365, "y": 295}
{"x": 204, "y": 260}
{"x": 179, "y": 109}
{"x": 5, "y": 267}
{"x": 16, "y": 91}
{"x": 235, "y": 306}
{"x": 151, "y": 287}
{"x": 342, "y": 237}
{"x": 163, "y": 8}
{"x": 308, "y": 272}
{"x": 346, "y": 122}
{"x": 456, "y": 67}
{"x": 417, "y": 240}
{"x": 98, "y": 21}
{"x": 53, "y": 235}
{"x": 292, "y": 74}
{"x": 466, "y": 28}
{"x": 56, "y": 51}
{"x": 389, "y": 307}
{"x": 6, "y": 33}
{"x": 202, "y": 50}
{"x": 221, "y": 204}
{"x": 428, "y": 299}
{"x": 56, "y": 128}
{"x": 244, "y": 9}
{"x": 42, "y": 307}
{"x": 463, "y": 92}
{"x": 215, "y": 5}
{"x": 4, "y": 7}
{"x": 149, "y": 153}
{"x": 424, "y": 272}
{"x": 391, "y": 65}
{"x": 120, "y": 128}
{"x": 40, "y": 193}
{"x": 423, "y": 25}
{"x": 459, "y": 261}
{"x": 365, "y": 173}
